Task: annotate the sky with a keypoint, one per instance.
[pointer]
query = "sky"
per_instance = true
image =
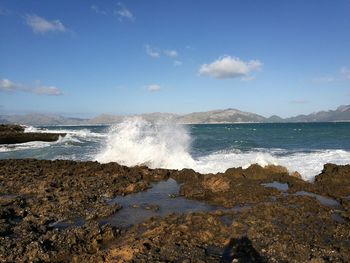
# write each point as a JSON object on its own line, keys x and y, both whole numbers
{"x": 87, "y": 57}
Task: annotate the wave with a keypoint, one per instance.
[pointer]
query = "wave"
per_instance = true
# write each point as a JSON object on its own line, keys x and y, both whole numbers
{"x": 138, "y": 142}
{"x": 308, "y": 164}
{"x": 82, "y": 133}
{"x": 162, "y": 145}
{"x": 68, "y": 139}
{"x": 26, "y": 145}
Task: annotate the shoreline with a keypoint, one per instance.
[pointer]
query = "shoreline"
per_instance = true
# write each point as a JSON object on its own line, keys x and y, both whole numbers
{"x": 55, "y": 210}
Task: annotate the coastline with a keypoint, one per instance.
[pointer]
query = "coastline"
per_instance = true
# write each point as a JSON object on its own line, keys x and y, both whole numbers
{"x": 59, "y": 210}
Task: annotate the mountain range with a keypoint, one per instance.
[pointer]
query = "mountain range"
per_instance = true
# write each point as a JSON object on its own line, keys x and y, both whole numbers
{"x": 342, "y": 113}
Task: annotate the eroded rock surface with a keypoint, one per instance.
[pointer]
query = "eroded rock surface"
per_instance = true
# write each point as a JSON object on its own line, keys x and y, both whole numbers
{"x": 51, "y": 211}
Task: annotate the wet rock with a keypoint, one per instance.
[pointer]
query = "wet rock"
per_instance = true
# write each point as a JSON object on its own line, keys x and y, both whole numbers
{"x": 11, "y": 128}
{"x": 296, "y": 174}
{"x": 51, "y": 211}
{"x": 216, "y": 184}
{"x": 255, "y": 171}
{"x": 12, "y": 138}
{"x": 11, "y": 134}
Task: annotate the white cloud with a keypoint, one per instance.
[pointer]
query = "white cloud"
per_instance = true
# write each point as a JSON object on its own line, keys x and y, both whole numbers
{"x": 177, "y": 63}
{"x": 153, "y": 88}
{"x": 152, "y": 52}
{"x": 9, "y": 86}
{"x": 97, "y": 10}
{"x": 124, "y": 13}
{"x": 229, "y": 67}
{"x": 171, "y": 53}
{"x": 345, "y": 72}
{"x": 41, "y": 25}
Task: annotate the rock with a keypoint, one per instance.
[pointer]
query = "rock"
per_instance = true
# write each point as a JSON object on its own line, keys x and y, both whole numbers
{"x": 257, "y": 172}
{"x": 216, "y": 184}
{"x": 12, "y": 134}
{"x": 11, "y": 128}
{"x": 19, "y": 137}
{"x": 271, "y": 226}
{"x": 296, "y": 174}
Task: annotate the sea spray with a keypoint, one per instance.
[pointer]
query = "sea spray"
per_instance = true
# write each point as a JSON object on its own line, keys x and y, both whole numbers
{"x": 82, "y": 133}
{"x": 162, "y": 145}
{"x": 205, "y": 148}
{"x": 136, "y": 141}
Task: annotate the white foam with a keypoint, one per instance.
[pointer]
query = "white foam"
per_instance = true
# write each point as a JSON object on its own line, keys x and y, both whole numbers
{"x": 24, "y": 146}
{"x": 307, "y": 164}
{"x": 32, "y": 129}
{"x": 136, "y": 141}
{"x": 82, "y": 133}
{"x": 37, "y": 144}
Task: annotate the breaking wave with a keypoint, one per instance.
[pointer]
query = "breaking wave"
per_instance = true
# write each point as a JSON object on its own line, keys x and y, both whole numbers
{"x": 73, "y": 136}
{"x": 138, "y": 142}
{"x": 161, "y": 145}
{"x": 82, "y": 133}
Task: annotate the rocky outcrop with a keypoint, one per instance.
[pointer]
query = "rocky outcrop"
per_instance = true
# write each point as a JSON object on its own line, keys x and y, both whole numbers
{"x": 57, "y": 211}
{"x": 11, "y": 134}
{"x": 11, "y": 128}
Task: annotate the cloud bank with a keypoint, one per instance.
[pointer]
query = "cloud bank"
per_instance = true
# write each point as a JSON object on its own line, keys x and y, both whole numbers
{"x": 41, "y": 25}
{"x": 229, "y": 67}
{"x": 9, "y": 86}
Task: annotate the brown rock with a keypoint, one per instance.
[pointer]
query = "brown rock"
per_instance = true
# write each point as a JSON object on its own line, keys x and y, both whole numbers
{"x": 295, "y": 174}
{"x": 216, "y": 184}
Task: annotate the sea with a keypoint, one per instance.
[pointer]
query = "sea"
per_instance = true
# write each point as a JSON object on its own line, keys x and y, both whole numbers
{"x": 206, "y": 148}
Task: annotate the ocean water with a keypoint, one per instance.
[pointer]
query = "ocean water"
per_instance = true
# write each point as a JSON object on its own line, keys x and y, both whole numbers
{"x": 302, "y": 147}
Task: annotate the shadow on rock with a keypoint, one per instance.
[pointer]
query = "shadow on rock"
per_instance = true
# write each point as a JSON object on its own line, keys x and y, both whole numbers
{"x": 241, "y": 250}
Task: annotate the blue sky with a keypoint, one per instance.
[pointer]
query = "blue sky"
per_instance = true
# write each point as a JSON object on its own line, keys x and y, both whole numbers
{"x": 83, "y": 58}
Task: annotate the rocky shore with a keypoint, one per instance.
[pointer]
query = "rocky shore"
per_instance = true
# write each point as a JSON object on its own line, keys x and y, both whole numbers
{"x": 11, "y": 134}
{"x": 63, "y": 211}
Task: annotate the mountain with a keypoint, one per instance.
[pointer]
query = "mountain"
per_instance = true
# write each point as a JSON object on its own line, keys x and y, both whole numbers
{"x": 220, "y": 116}
{"x": 105, "y": 119}
{"x": 40, "y": 119}
{"x": 230, "y": 115}
{"x": 274, "y": 118}
{"x": 342, "y": 113}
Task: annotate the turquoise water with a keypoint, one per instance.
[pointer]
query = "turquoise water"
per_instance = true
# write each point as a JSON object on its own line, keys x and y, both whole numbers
{"x": 289, "y": 136}
{"x": 302, "y": 147}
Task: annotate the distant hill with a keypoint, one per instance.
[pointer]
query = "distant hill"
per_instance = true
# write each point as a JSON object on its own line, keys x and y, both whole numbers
{"x": 220, "y": 116}
{"x": 40, "y": 119}
{"x": 274, "y": 118}
{"x": 342, "y": 113}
